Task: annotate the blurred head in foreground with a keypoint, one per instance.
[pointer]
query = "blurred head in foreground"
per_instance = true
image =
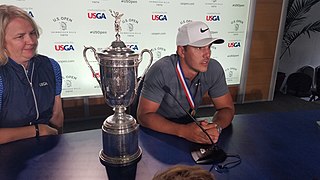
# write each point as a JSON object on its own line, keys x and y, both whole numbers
{"x": 184, "y": 172}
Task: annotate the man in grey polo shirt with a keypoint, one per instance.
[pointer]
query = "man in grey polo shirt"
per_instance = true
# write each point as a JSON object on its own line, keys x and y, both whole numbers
{"x": 186, "y": 75}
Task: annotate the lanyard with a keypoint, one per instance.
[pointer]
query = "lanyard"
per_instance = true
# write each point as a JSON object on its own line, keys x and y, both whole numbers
{"x": 185, "y": 87}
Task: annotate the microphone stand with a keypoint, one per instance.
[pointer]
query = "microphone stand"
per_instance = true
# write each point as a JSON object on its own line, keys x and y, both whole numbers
{"x": 210, "y": 155}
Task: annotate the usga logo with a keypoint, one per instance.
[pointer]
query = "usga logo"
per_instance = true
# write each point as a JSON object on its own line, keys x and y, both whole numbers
{"x": 234, "y": 44}
{"x": 213, "y": 18}
{"x": 134, "y": 47}
{"x": 159, "y": 17}
{"x": 61, "y": 47}
{"x": 96, "y": 15}
{"x": 96, "y": 75}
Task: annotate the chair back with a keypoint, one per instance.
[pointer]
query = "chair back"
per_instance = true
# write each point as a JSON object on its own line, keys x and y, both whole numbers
{"x": 317, "y": 79}
{"x": 310, "y": 71}
{"x": 299, "y": 84}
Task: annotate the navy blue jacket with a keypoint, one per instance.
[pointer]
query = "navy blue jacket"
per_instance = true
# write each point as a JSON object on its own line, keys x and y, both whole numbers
{"x": 28, "y": 96}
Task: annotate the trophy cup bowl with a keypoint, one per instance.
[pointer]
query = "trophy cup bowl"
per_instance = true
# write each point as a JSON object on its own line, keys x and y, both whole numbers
{"x": 118, "y": 80}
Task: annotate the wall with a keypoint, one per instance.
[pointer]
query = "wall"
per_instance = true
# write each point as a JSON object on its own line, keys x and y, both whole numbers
{"x": 305, "y": 49}
{"x": 261, "y": 75}
{"x": 260, "y": 78}
{"x": 259, "y": 82}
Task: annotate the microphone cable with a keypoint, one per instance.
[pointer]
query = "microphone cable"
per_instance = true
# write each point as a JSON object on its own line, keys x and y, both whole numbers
{"x": 167, "y": 90}
{"x": 225, "y": 167}
{"x": 222, "y": 167}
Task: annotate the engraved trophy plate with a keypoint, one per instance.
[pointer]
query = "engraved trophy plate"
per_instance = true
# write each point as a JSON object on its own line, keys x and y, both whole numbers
{"x": 118, "y": 81}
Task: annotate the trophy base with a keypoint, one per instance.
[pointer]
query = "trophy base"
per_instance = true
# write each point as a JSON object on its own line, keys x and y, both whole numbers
{"x": 121, "y": 168}
{"x": 121, "y": 152}
{"x": 120, "y": 161}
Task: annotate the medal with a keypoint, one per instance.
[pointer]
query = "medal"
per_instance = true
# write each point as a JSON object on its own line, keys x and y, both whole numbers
{"x": 193, "y": 112}
{"x": 185, "y": 88}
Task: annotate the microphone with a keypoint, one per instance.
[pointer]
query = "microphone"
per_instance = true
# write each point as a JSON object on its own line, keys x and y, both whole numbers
{"x": 210, "y": 155}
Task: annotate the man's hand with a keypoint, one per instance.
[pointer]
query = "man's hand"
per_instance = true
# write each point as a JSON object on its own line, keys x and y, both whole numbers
{"x": 211, "y": 129}
{"x": 193, "y": 132}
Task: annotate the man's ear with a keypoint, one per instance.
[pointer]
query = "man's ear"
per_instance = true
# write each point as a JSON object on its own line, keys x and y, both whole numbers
{"x": 180, "y": 51}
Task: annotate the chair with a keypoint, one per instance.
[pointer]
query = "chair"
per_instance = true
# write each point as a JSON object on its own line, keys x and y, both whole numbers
{"x": 309, "y": 70}
{"x": 315, "y": 90}
{"x": 299, "y": 84}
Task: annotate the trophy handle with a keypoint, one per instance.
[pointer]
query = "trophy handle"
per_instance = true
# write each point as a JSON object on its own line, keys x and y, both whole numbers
{"x": 146, "y": 70}
{"x": 97, "y": 58}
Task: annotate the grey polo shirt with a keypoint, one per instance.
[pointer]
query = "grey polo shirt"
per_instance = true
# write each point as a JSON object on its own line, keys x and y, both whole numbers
{"x": 162, "y": 73}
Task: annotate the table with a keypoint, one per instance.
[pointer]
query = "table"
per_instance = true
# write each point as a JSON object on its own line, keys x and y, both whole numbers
{"x": 282, "y": 145}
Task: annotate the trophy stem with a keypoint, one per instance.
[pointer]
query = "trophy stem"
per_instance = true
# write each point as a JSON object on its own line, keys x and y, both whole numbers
{"x": 120, "y": 115}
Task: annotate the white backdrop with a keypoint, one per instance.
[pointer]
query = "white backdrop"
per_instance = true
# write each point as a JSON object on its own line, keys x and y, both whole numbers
{"x": 67, "y": 26}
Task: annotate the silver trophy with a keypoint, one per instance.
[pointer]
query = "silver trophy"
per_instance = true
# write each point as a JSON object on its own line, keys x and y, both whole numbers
{"x": 118, "y": 81}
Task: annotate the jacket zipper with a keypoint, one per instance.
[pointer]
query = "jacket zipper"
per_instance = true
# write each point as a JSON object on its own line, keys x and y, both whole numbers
{"x": 32, "y": 90}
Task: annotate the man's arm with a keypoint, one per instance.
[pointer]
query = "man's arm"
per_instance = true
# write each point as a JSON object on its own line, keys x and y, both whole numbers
{"x": 57, "y": 118}
{"x": 148, "y": 117}
{"x": 224, "y": 110}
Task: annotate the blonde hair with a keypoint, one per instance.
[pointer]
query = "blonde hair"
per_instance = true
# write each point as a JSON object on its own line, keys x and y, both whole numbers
{"x": 7, "y": 13}
{"x": 184, "y": 172}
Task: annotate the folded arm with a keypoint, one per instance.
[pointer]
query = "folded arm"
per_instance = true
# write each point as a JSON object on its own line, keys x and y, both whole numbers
{"x": 18, "y": 133}
{"x": 148, "y": 117}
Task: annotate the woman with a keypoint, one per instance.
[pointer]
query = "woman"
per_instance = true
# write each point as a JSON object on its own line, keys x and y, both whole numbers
{"x": 30, "y": 84}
